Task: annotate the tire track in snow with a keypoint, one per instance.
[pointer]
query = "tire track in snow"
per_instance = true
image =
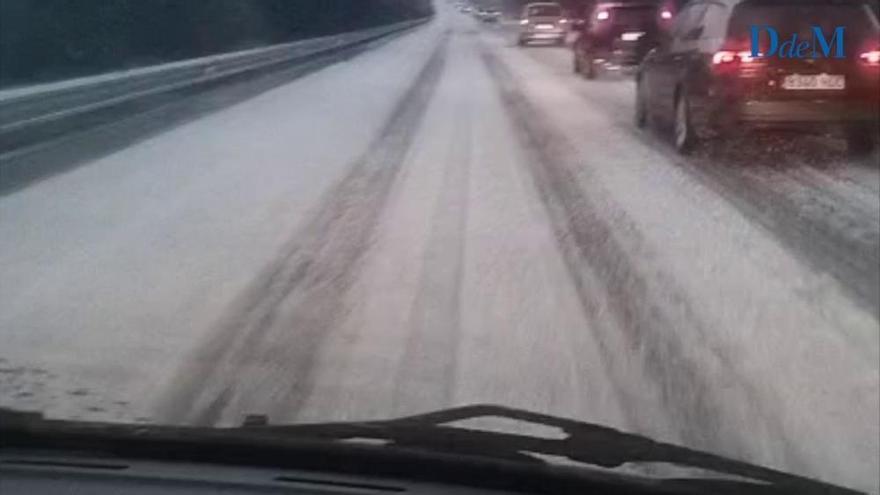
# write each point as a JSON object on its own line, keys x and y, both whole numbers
{"x": 644, "y": 331}
{"x": 828, "y": 235}
{"x": 427, "y": 375}
{"x": 842, "y": 242}
{"x": 260, "y": 358}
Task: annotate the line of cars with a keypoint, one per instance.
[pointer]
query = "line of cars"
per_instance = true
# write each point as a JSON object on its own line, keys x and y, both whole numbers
{"x": 482, "y": 13}
{"x": 610, "y": 34}
{"x": 697, "y": 74}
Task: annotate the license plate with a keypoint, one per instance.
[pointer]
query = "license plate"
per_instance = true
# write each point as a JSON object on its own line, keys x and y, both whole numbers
{"x": 545, "y": 26}
{"x": 814, "y": 81}
{"x": 631, "y": 36}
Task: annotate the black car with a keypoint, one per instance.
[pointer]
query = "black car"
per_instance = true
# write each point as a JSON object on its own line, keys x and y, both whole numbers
{"x": 707, "y": 79}
{"x": 618, "y": 34}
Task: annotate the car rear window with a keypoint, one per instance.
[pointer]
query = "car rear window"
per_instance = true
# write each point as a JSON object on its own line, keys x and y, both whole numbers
{"x": 545, "y": 11}
{"x": 633, "y": 15}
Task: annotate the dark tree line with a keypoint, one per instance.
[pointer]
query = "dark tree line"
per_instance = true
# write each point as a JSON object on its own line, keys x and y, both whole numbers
{"x": 42, "y": 40}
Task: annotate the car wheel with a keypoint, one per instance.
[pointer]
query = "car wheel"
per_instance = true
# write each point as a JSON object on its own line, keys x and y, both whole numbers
{"x": 521, "y": 42}
{"x": 684, "y": 136}
{"x": 641, "y": 105}
{"x": 590, "y": 70}
{"x": 860, "y": 140}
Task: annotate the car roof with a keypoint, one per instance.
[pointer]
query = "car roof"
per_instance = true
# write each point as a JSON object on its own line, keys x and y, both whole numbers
{"x": 628, "y": 3}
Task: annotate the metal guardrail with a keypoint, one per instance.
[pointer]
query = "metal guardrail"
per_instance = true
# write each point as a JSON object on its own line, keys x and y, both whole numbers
{"x": 28, "y": 109}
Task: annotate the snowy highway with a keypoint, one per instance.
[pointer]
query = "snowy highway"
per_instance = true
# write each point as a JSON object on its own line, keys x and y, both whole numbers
{"x": 448, "y": 219}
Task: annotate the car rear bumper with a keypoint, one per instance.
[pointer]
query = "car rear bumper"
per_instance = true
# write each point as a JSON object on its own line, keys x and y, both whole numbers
{"x": 628, "y": 53}
{"x": 793, "y": 114}
{"x": 543, "y": 35}
{"x": 807, "y": 111}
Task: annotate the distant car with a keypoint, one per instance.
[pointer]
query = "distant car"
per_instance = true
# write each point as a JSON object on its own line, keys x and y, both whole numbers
{"x": 488, "y": 15}
{"x": 704, "y": 79}
{"x": 618, "y": 34}
{"x": 542, "y": 21}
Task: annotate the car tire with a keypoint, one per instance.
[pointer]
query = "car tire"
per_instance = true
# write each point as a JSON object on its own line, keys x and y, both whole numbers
{"x": 684, "y": 136}
{"x": 641, "y": 113}
{"x": 521, "y": 42}
{"x": 590, "y": 70}
{"x": 860, "y": 140}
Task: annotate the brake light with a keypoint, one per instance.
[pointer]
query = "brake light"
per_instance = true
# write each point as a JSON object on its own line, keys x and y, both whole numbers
{"x": 724, "y": 57}
{"x": 666, "y": 15}
{"x": 524, "y": 22}
{"x": 603, "y": 15}
{"x": 745, "y": 57}
{"x": 871, "y": 58}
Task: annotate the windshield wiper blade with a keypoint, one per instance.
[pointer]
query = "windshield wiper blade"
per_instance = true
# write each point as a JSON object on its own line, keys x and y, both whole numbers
{"x": 585, "y": 443}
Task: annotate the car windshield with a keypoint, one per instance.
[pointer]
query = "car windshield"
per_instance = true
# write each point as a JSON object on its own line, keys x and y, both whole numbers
{"x": 545, "y": 11}
{"x": 610, "y": 211}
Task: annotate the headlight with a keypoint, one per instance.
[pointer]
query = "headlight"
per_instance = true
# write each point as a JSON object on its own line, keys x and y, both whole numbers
{"x": 524, "y": 22}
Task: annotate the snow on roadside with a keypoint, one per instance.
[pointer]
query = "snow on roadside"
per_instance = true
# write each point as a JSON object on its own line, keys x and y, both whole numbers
{"x": 114, "y": 271}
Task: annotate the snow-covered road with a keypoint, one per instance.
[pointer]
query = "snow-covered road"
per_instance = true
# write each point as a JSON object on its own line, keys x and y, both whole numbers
{"x": 448, "y": 219}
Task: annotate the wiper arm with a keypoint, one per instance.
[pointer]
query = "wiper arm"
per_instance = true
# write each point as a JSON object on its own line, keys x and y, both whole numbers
{"x": 585, "y": 443}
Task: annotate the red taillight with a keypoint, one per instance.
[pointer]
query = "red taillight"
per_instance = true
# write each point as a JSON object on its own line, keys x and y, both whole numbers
{"x": 724, "y": 57}
{"x": 745, "y": 57}
{"x": 666, "y": 15}
{"x": 871, "y": 58}
{"x": 603, "y": 15}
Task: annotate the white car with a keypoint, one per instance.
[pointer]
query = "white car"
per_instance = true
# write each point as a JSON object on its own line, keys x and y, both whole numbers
{"x": 543, "y": 21}
{"x": 488, "y": 15}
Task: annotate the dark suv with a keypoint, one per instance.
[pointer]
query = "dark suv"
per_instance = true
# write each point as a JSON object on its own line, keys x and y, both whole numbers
{"x": 617, "y": 34}
{"x": 705, "y": 77}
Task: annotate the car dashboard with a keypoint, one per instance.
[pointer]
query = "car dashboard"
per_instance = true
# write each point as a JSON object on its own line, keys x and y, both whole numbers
{"x": 34, "y": 475}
